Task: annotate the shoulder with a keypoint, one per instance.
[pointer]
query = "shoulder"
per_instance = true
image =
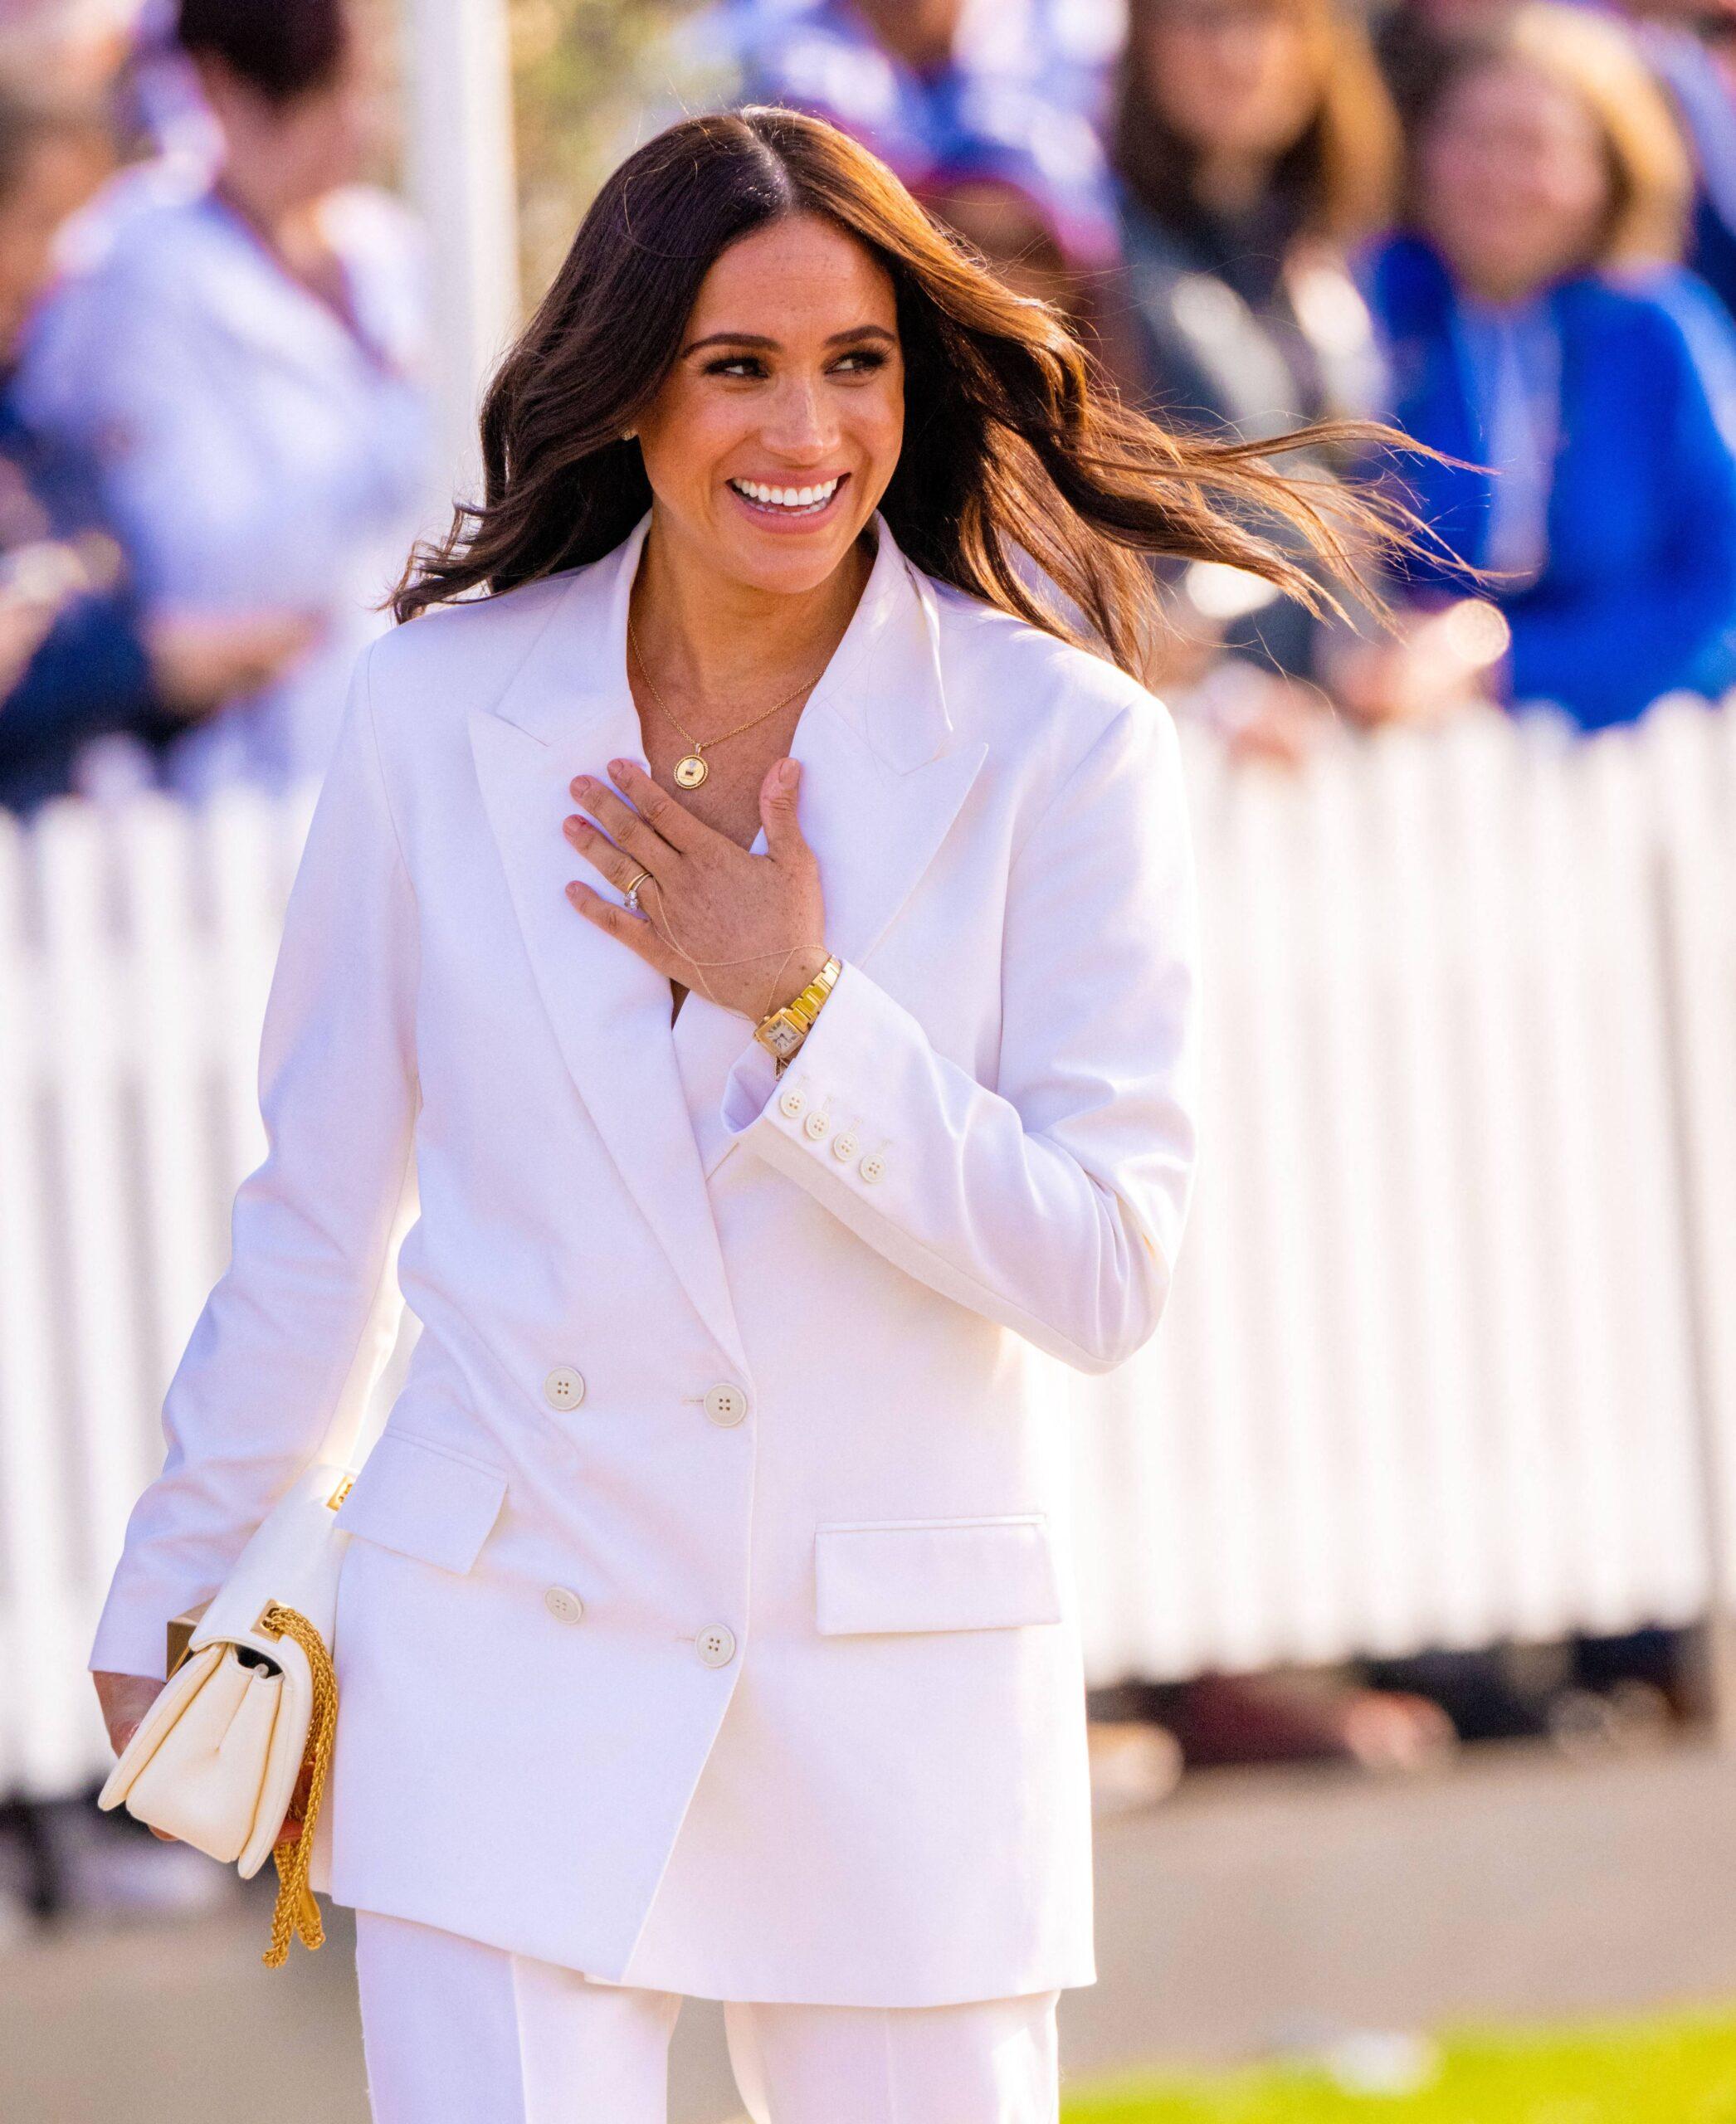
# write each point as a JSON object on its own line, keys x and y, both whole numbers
{"x": 464, "y": 655}
{"x": 1044, "y": 707}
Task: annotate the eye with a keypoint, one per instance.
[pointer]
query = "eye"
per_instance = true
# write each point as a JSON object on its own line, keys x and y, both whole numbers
{"x": 724, "y": 363}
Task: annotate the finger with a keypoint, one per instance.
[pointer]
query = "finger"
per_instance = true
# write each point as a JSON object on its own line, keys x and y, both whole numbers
{"x": 665, "y": 815}
{"x": 778, "y": 810}
{"x": 632, "y": 930}
{"x": 601, "y": 853}
{"x": 620, "y": 823}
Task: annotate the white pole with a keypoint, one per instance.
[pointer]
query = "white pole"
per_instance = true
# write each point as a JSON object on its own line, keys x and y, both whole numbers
{"x": 459, "y": 139}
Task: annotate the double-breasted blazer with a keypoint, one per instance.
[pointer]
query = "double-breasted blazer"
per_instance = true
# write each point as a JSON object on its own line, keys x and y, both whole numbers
{"x": 708, "y": 1621}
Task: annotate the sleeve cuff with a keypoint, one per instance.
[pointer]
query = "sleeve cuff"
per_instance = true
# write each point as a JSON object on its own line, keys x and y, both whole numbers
{"x": 814, "y": 1118}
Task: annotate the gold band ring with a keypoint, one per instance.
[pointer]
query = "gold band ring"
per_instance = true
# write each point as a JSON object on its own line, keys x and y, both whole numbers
{"x": 632, "y": 890}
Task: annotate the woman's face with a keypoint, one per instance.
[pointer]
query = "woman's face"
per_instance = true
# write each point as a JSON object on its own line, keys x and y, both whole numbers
{"x": 308, "y": 146}
{"x": 1514, "y": 182}
{"x": 790, "y": 376}
{"x": 1228, "y": 76}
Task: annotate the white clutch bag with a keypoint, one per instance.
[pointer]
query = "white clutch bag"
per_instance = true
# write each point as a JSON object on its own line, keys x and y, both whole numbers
{"x": 251, "y": 1702}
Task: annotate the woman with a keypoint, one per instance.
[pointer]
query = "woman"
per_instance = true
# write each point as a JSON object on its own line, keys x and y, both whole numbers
{"x": 1537, "y": 326}
{"x": 1253, "y": 146}
{"x": 708, "y": 1626}
{"x": 82, "y": 664}
{"x": 242, "y": 359}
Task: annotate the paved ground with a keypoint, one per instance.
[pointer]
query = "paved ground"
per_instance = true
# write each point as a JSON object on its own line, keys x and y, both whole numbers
{"x": 1252, "y": 1906}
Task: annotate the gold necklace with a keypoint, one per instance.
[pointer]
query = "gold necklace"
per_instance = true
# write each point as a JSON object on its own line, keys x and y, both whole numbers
{"x": 691, "y": 770}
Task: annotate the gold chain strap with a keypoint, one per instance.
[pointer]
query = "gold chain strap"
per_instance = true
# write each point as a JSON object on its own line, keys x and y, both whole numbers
{"x": 297, "y": 1912}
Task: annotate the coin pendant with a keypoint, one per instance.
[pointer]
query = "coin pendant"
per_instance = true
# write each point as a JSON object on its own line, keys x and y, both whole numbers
{"x": 691, "y": 772}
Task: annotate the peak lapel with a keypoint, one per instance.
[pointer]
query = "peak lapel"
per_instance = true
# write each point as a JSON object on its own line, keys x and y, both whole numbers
{"x": 568, "y": 711}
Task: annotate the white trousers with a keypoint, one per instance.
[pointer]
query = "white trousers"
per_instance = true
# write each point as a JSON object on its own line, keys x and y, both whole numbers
{"x": 458, "y": 2033}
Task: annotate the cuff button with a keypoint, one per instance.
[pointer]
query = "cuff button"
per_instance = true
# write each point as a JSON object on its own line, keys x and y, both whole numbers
{"x": 873, "y": 1167}
{"x": 815, "y": 1127}
{"x": 793, "y": 1102}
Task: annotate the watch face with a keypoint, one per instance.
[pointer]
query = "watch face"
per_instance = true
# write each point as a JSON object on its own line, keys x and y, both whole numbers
{"x": 782, "y": 1037}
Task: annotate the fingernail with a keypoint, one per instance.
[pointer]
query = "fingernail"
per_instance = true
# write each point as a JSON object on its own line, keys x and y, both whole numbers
{"x": 787, "y": 771}
{"x": 618, "y": 768}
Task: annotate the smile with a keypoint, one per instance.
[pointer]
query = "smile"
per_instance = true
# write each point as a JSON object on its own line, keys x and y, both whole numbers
{"x": 788, "y": 503}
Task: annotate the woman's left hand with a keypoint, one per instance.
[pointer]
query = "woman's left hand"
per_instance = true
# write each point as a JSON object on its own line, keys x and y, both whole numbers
{"x": 746, "y": 931}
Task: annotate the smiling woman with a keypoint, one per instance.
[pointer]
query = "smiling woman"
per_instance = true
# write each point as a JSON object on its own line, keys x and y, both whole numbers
{"x": 705, "y": 1624}
{"x": 1007, "y": 436}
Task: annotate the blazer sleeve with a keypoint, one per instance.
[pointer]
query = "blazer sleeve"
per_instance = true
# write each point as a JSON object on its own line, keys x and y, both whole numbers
{"x": 309, "y": 1291}
{"x": 1053, "y": 1200}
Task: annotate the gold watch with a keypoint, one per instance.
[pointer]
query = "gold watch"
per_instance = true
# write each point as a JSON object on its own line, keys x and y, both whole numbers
{"x": 784, "y": 1031}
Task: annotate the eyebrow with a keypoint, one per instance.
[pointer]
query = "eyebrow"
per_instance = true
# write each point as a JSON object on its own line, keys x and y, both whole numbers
{"x": 760, "y": 339}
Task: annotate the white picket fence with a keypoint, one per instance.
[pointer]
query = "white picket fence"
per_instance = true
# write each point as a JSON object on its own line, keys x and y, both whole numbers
{"x": 1451, "y": 1354}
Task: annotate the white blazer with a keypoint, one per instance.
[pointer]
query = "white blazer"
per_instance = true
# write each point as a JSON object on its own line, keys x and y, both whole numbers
{"x": 711, "y": 1621}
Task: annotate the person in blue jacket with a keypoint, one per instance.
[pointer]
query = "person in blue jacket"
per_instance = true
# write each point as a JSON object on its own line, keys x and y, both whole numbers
{"x": 1535, "y": 322}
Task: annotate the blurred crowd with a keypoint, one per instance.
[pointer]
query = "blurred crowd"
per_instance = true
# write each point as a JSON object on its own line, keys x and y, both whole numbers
{"x": 1509, "y": 229}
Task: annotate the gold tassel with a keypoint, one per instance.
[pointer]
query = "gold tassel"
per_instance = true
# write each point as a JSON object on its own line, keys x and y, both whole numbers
{"x": 297, "y": 1913}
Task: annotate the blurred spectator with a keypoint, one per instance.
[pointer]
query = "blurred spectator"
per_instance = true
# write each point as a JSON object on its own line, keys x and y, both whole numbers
{"x": 1253, "y": 145}
{"x": 1690, "y": 45}
{"x": 74, "y": 661}
{"x": 242, "y": 359}
{"x": 1535, "y": 326}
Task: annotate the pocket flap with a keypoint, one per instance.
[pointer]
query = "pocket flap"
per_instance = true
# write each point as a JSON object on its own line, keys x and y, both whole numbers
{"x": 935, "y": 1574}
{"x": 423, "y": 1500}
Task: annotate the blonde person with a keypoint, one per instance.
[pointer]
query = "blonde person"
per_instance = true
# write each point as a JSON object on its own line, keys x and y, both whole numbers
{"x": 772, "y": 944}
{"x": 1538, "y": 324}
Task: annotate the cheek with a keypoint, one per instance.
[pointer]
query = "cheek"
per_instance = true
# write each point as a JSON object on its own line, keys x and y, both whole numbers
{"x": 691, "y": 440}
{"x": 879, "y": 427}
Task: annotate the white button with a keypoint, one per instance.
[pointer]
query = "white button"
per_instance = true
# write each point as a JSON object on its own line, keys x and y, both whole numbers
{"x": 815, "y": 1126}
{"x": 563, "y": 1604}
{"x": 792, "y": 1101}
{"x": 873, "y": 1167}
{"x": 726, "y": 1404}
{"x": 844, "y": 1146}
{"x": 564, "y": 1388}
{"x": 717, "y": 1645}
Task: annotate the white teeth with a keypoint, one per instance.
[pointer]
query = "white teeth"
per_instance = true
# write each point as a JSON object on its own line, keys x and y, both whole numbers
{"x": 786, "y": 497}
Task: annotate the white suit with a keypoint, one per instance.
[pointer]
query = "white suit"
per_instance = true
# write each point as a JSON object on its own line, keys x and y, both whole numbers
{"x": 710, "y": 1625}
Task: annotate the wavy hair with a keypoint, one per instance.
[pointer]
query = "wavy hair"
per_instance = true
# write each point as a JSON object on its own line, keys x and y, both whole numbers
{"x": 1014, "y": 437}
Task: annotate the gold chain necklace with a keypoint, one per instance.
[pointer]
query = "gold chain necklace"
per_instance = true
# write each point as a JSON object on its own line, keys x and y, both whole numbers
{"x": 692, "y": 769}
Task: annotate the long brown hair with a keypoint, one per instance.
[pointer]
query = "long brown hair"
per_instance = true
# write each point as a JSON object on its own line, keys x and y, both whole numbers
{"x": 1015, "y": 437}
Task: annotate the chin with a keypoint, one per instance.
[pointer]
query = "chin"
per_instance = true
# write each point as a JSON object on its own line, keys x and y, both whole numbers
{"x": 801, "y": 564}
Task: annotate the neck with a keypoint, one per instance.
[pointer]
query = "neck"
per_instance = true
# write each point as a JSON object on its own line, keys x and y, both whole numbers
{"x": 1228, "y": 183}
{"x": 279, "y": 215}
{"x": 1500, "y": 290}
{"x": 720, "y": 646}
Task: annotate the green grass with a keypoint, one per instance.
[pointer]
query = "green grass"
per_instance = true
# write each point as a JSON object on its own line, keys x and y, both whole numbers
{"x": 1678, "y": 2070}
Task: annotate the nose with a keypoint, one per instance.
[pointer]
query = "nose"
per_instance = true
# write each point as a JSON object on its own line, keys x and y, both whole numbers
{"x": 801, "y": 425}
